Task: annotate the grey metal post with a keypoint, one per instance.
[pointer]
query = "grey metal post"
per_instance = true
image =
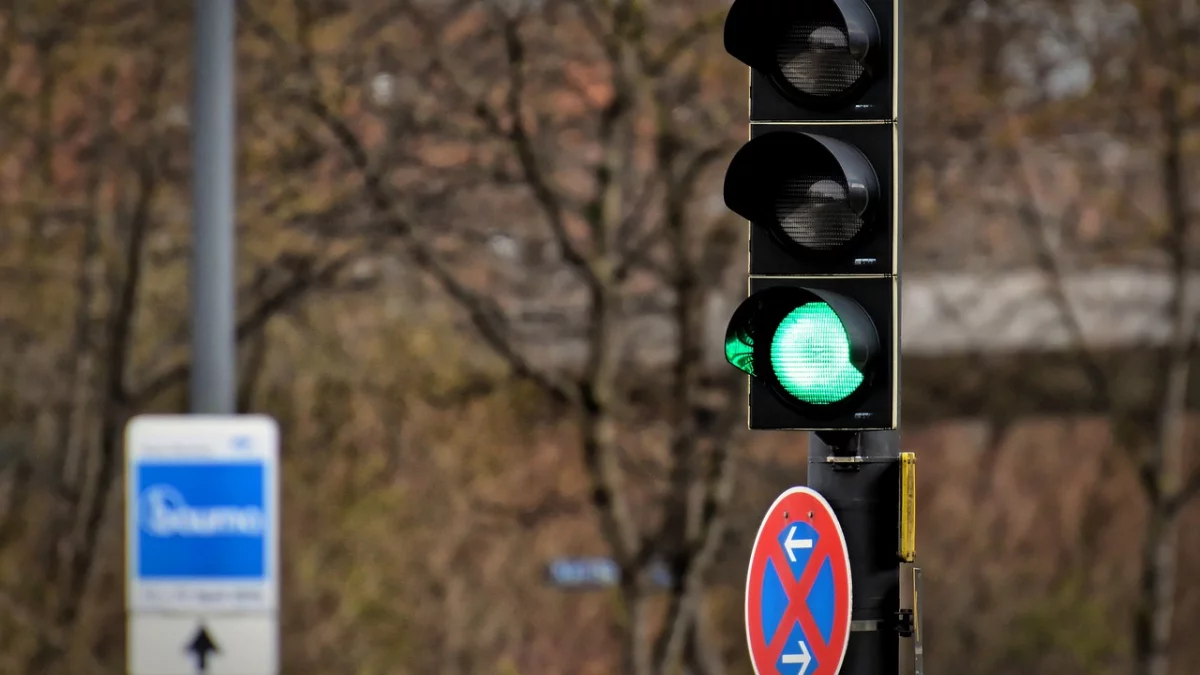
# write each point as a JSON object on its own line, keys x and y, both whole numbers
{"x": 213, "y": 376}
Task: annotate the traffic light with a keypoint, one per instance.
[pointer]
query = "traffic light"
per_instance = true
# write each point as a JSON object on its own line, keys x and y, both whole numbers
{"x": 819, "y": 181}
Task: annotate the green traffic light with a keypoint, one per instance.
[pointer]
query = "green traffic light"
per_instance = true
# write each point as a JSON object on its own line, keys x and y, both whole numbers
{"x": 810, "y": 353}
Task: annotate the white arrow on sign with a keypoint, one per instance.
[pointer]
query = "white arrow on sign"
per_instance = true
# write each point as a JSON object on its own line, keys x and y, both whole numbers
{"x": 792, "y": 544}
{"x": 803, "y": 658}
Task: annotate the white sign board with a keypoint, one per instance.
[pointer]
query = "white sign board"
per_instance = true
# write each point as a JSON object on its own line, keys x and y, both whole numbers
{"x": 202, "y": 565}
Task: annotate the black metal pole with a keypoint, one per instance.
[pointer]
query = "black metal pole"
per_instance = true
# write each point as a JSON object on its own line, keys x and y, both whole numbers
{"x": 859, "y": 475}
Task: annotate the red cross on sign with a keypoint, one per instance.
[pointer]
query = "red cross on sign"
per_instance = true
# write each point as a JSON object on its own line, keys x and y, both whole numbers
{"x": 798, "y": 591}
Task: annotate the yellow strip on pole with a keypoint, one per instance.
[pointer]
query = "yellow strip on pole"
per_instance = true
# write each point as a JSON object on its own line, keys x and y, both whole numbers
{"x": 908, "y": 506}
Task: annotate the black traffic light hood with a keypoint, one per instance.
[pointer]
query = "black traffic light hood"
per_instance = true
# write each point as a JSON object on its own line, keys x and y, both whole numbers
{"x": 760, "y": 169}
{"x": 755, "y": 29}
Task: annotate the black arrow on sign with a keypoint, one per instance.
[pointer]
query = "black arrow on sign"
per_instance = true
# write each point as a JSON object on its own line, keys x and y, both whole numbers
{"x": 201, "y": 646}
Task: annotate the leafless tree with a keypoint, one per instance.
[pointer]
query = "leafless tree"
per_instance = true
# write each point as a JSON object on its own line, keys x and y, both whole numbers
{"x": 591, "y": 126}
{"x": 100, "y": 168}
{"x": 1156, "y": 50}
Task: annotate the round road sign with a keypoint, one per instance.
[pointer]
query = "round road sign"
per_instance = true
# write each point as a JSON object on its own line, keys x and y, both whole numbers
{"x": 798, "y": 590}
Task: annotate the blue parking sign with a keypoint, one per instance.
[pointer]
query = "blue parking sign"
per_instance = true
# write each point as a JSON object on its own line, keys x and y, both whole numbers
{"x": 202, "y": 521}
{"x": 202, "y": 514}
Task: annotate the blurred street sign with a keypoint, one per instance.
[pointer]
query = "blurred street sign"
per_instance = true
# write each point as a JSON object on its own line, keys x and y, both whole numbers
{"x": 202, "y": 538}
{"x": 798, "y": 589}
{"x": 589, "y": 573}
{"x": 221, "y": 645}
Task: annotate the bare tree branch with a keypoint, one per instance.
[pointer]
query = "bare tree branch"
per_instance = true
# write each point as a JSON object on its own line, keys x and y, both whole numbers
{"x": 518, "y": 135}
{"x": 1187, "y": 492}
{"x": 484, "y": 315}
{"x": 516, "y": 132}
{"x": 657, "y": 64}
{"x": 701, "y": 546}
{"x": 54, "y": 637}
{"x": 550, "y": 507}
{"x": 301, "y": 282}
{"x": 692, "y": 528}
{"x": 1032, "y": 219}
{"x": 116, "y": 394}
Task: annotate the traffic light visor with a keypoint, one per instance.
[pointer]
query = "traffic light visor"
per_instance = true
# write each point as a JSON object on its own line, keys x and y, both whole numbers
{"x": 817, "y": 195}
{"x": 815, "y": 348}
{"x": 818, "y": 53}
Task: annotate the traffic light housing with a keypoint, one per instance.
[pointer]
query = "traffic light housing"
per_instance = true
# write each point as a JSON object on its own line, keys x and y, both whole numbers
{"x": 819, "y": 201}
{"x": 819, "y": 183}
{"x": 820, "y": 352}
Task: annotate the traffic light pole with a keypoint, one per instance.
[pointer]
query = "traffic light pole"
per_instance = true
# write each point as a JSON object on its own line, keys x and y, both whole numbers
{"x": 859, "y": 475}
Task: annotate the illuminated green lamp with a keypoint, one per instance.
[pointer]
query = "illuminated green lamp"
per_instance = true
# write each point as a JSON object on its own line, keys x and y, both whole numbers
{"x": 816, "y": 347}
{"x": 810, "y": 354}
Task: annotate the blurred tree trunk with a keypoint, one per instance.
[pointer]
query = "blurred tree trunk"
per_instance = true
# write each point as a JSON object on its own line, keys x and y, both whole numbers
{"x": 1164, "y": 469}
